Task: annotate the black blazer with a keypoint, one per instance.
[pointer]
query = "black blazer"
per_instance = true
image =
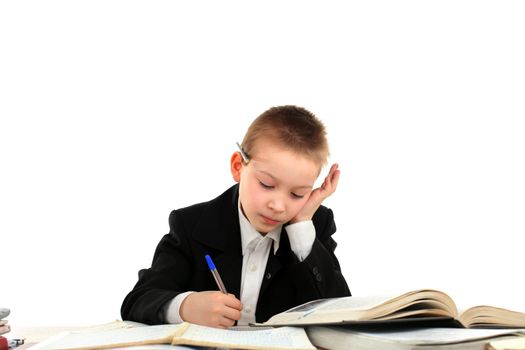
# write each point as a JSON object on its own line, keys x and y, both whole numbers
{"x": 213, "y": 228}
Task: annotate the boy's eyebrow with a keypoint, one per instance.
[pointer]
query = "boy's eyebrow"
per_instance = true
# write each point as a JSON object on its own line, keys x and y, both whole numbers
{"x": 274, "y": 178}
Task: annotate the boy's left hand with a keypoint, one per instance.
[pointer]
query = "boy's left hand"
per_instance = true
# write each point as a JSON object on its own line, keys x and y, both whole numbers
{"x": 318, "y": 195}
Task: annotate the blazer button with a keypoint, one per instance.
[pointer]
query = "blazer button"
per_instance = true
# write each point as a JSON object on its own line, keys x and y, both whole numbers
{"x": 315, "y": 270}
{"x": 268, "y": 276}
{"x": 319, "y": 277}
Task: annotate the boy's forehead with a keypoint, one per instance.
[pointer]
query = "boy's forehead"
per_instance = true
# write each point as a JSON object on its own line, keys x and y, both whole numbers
{"x": 285, "y": 165}
{"x": 275, "y": 153}
{"x": 266, "y": 148}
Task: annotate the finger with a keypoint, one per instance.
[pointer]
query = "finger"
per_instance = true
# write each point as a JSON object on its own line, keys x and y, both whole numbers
{"x": 220, "y": 325}
{"x": 335, "y": 180}
{"x": 331, "y": 172}
{"x": 233, "y": 302}
{"x": 334, "y": 170}
{"x": 232, "y": 314}
{"x": 226, "y": 322}
{"x": 330, "y": 182}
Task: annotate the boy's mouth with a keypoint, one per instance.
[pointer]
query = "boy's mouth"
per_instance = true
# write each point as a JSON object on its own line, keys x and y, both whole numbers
{"x": 269, "y": 221}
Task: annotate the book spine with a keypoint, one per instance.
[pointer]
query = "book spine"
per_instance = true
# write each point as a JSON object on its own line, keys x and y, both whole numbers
{"x": 3, "y": 343}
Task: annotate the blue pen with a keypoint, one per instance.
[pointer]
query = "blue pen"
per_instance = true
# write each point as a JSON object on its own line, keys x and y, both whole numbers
{"x": 215, "y": 274}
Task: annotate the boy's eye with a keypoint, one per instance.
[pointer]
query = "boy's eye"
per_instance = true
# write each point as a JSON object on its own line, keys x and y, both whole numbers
{"x": 297, "y": 196}
{"x": 265, "y": 185}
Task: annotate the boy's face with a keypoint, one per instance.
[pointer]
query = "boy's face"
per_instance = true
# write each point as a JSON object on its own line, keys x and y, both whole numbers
{"x": 275, "y": 185}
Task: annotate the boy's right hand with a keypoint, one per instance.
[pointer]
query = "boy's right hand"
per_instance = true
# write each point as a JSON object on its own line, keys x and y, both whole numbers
{"x": 318, "y": 195}
{"x": 211, "y": 308}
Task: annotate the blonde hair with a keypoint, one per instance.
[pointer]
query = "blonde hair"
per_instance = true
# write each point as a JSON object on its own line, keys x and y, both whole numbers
{"x": 293, "y": 127}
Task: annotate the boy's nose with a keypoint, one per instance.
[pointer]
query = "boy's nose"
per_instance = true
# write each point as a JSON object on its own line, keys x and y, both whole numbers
{"x": 276, "y": 204}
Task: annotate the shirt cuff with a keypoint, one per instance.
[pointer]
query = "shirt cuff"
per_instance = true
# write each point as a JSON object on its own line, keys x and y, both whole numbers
{"x": 172, "y": 310}
{"x": 302, "y": 237}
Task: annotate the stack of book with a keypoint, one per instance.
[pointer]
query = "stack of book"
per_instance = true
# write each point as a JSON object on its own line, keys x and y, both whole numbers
{"x": 419, "y": 319}
{"x": 4, "y": 328}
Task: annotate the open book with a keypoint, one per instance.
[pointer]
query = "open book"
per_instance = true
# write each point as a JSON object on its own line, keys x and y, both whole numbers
{"x": 283, "y": 338}
{"x": 422, "y": 304}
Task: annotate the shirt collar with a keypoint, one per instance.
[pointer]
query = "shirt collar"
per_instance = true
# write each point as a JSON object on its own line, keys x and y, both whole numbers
{"x": 250, "y": 236}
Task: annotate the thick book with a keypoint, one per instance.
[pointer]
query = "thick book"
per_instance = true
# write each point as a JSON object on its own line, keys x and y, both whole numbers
{"x": 3, "y": 343}
{"x": 421, "y": 305}
{"x": 515, "y": 343}
{"x": 406, "y": 338}
{"x": 282, "y": 338}
{"x": 5, "y": 328}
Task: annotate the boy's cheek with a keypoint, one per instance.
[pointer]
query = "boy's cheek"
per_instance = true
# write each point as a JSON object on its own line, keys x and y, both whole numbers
{"x": 300, "y": 206}
{"x": 306, "y": 198}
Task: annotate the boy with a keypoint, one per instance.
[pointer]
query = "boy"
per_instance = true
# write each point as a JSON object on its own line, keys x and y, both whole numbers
{"x": 268, "y": 235}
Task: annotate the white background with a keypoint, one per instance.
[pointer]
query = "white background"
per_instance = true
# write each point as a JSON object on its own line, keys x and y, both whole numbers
{"x": 113, "y": 113}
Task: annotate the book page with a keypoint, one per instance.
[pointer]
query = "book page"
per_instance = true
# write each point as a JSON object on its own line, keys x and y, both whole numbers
{"x": 490, "y": 316}
{"x": 327, "y": 310}
{"x": 117, "y": 324}
{"x": 321, "y": 336}
{"x": 517, "y": 343}
{"x": 423, "y": 302}
{"x": 158, "y": 347}
{"x": 83, "y": 340}
{"x": 436, "y": 336}
{"x": 283, "y": 338}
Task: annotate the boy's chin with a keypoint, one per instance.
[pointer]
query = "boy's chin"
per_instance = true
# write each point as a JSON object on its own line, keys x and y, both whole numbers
{"x": 265, "y": 228}
{"x": 262, "y": 229}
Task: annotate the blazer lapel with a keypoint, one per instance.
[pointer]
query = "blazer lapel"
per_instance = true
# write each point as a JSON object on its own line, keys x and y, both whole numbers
{"x": 229, "y": 265}
{"x": 219, "y": 230}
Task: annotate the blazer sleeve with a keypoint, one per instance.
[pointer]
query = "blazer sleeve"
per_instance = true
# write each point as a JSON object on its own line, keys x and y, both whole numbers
{"x": 166, "y": 278}
{"x": 319, "y": 275}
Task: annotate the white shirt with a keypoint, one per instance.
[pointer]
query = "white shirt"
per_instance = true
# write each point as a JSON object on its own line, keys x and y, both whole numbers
{"x": 255, "y": 250}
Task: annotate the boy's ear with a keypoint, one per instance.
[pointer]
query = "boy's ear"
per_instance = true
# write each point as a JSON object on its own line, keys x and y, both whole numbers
{"x": 236, "y": 164}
